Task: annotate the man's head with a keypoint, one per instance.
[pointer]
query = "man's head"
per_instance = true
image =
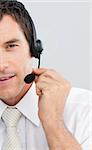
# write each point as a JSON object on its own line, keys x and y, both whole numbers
{"x": 15, "y": 56}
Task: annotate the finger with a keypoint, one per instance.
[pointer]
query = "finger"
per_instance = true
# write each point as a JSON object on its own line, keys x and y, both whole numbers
{"x": 46, "y": 85}
{"x": 48, "y": 73}
{"x": 43, "y": 77}
{"x": 38, "y": 92}
{"x": 39, "y": 71}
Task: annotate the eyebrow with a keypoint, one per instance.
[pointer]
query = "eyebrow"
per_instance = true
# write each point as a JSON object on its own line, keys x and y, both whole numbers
{"x": 12, "y": 41}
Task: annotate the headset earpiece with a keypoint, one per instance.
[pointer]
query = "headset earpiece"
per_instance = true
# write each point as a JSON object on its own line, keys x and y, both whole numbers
{"x": 38, "y": 48}
{"x": 36, "y": 45}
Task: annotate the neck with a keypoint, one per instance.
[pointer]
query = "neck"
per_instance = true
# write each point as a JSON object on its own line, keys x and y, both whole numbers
{"x": 23, "y": 92}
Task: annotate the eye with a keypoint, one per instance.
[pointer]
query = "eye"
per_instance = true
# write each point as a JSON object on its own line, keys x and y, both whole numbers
{"x": 12, "y": 45}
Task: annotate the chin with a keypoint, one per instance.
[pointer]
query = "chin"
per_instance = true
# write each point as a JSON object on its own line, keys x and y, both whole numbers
{"x": 10, "y": 101}
{"x": 10, "y": 98}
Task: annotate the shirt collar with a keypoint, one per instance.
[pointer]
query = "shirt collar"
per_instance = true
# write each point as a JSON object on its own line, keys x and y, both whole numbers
{"x": 2, "y": 107}
{"x": 28, "y": 106}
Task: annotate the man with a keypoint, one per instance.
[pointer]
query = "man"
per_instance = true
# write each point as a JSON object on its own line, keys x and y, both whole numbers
{"x": 53, "y": 115}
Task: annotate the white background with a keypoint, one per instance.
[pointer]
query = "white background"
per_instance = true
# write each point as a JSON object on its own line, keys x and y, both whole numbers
{"x": 63, "y": 27}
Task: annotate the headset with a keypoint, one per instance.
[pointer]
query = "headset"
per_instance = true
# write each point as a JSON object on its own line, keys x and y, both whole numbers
{"x": 36, "y": 47}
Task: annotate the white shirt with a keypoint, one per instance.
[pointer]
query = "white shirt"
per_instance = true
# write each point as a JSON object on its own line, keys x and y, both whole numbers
{"x": 77, "y": 118}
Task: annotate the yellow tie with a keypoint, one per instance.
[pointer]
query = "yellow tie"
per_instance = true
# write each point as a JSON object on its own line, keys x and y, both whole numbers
{"x": 11, "y": 117}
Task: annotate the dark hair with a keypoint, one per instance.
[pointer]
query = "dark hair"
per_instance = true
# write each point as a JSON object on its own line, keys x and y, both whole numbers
{"x": 19, "y": 13}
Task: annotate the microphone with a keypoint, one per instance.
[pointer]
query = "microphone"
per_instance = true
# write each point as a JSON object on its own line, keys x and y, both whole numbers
{"x": 29, "y": 78}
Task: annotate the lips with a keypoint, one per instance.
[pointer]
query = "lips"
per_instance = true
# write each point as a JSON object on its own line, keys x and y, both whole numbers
{"x": 3, "y": 78}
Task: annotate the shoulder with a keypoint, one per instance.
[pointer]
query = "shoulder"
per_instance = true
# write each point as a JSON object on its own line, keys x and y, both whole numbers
{"x": 78, "y": 108}
{"x": 79, "y": 102}
{"x": 80, "y": 96}
{"x": 78, "y": 113}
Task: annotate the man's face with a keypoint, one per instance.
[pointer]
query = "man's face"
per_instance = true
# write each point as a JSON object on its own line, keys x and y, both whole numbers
{"x": 14, "y": 59}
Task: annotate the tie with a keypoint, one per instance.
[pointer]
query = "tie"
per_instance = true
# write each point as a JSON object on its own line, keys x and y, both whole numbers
{"x": 11, "y": 117}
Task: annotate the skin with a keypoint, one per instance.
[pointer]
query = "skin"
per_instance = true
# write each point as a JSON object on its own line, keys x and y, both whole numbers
{"x": 51, "y": 87}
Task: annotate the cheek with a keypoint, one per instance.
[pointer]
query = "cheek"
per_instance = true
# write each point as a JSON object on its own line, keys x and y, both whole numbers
{"x": 20, "y": 60}
{"x": 24, "y": 67}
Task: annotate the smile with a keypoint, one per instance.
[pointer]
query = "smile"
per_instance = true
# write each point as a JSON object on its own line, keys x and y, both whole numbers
{"x": 4, "y": 79}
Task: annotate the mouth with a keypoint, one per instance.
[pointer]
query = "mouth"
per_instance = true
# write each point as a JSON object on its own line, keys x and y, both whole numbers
{"x": 6, "y": 78}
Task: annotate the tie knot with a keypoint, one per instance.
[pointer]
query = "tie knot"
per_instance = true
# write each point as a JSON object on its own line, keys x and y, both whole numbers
{"x": 11, "y": 117}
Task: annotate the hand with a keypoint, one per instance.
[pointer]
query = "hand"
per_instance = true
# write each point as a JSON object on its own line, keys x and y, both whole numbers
{"x": 52, "y": 90}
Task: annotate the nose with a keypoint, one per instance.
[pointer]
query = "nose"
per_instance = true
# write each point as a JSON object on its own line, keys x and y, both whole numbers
{"x": 3, "y": 62}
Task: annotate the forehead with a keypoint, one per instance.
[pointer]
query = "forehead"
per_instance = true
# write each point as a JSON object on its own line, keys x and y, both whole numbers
{"x": 9, "y": 28}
